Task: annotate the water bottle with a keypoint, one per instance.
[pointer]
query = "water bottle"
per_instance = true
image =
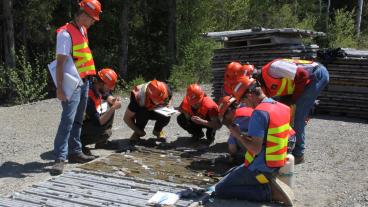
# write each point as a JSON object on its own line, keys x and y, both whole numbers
{"x": 286, "y": 173}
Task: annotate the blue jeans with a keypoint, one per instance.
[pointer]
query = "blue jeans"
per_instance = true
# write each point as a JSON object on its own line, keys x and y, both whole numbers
{"x": 67, "y": 140}
{"x": 304, "y": 105}
{"x": 241, "y": 183}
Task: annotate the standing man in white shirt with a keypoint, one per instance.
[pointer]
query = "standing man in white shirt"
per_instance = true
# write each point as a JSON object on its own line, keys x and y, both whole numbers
{"x": 72, "y": 41}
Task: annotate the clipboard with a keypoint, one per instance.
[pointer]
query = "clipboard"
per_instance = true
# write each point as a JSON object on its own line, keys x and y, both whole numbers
{"x": 71, "y": 78}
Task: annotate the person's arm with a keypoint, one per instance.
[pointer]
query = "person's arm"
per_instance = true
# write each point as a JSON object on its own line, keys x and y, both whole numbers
{"x": 60, "y": 60}
{"x": 104, "y": 118}
{"x": 253, "y": 144}
{"x": 129, "y": 120}
{"x": 300, "y": 81}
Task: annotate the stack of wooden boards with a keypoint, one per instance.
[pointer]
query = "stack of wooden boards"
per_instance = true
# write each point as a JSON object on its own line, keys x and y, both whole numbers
{"x": 347, "y": 92}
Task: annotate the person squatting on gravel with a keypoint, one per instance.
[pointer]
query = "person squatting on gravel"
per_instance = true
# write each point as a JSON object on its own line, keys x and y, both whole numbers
{"x": 72, "y": 42}
{"x": 296, "y": 83}
{"x": 99, "y": 116}
{"x": 266, "y": 145}
{"x": 144, "y": 99}
{"x": 199, "y": 111}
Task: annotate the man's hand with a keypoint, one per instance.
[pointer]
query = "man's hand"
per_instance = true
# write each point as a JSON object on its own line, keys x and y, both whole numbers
{"x": 116, "y": 103}
{"x": 198, "y": 120}
{"x": 60, "y": 94}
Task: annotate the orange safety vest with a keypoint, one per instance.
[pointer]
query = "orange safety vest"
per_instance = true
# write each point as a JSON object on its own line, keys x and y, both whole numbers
{"x": 282, "y": 86}
{"x": 81, "y": 53}
{"x": 206, "y": 104}
{"x": 243, "y": 111}
{"x": 277, "y": 134}
{"x": 139, "y": 93}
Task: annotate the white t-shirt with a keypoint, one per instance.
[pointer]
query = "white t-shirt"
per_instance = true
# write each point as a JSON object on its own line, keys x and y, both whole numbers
{"x": 282, "y": 69}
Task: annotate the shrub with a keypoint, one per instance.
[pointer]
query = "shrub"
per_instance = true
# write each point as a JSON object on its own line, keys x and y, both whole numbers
{"x": 341, "y": 31}
{"x": 27, "y": 82}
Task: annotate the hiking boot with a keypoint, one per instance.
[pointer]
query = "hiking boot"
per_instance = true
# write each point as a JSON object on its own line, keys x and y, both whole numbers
{"x": 281, "y": 193}
{"x": 134, "y": 139}
{"x": 197, "y": 137}
{"x": 58, "y": 167}
{"x": 299, "y": 159}
{"x": 107, "y": 145}
{"x": 210, "y": 135}
{"x": 80, "y": 158}
{"x": 88, "y": 152}
{"x": 160, "y": 135}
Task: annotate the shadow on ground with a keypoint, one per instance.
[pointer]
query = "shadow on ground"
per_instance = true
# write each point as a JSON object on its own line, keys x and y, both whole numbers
{"x": 16, "y": 170}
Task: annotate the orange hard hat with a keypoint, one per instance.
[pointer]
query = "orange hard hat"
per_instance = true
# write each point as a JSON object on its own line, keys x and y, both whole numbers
{"x": 242, "y": 86}
{"x": 109, "y": 77}
{"x": 157, "y": 91}
{"x": 224, "y": 104}
{"x": 194, "y": 94}
{"x": 92, "y": 8}
{"x": 234, "y": 71}
{"x": 248, "y": 69}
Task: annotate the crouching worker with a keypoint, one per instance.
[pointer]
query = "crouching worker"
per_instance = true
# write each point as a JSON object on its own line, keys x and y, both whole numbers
{"x": 230, "y": 113}
{"x": 144, "y": 99}
{"x": 198, "y": 111}
{"x": 100, "y": 112}
{"x": 266, "y": 145}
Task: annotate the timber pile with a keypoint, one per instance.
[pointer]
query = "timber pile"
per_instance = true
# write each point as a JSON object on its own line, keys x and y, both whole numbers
{"x": 258, "y": 47}
{"x": 347, "y": 92}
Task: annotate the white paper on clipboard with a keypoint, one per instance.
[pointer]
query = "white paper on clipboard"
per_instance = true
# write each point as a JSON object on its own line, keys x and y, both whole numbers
{"x": 71, "y": 79}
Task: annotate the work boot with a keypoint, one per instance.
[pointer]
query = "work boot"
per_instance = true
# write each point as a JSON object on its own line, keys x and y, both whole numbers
{"x": 79, "y": 158}
{"x": 197, "y": 136}
{"x": 298, "y": 159}
{"x": 210, "y": 135}
{"x": 160, "y": 135}
{"x": 58, "y": 167}
{"x": 134, "y": 138}
{"x": 281, "y": 193}
{"x": 107, "y": 145}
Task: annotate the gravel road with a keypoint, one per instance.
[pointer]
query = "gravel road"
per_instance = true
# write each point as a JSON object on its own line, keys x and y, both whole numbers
{"x": 335, "y": 172}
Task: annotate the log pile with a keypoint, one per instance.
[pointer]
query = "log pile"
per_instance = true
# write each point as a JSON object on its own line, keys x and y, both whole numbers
{"x": 347, "y": 92}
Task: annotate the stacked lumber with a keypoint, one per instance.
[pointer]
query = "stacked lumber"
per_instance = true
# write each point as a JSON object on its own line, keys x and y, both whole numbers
{"x": 258, "y": 47}
{"x": 347, "y": 92}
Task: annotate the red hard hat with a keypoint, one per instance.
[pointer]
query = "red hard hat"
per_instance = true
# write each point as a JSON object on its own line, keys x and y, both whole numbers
{"x": 234, "y": 71}
{"x": 242, "y": 86}
{"x": 109, "y": 77}
{"x": 92, "y": 8}
{"x": 194, "y": 94}
{"x": 248, "y": 69}
{"x": 157, "y": 91}
{"x": 224, "y": 104}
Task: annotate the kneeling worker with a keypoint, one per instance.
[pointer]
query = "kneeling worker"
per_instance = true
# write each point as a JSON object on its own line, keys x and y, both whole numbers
{"x": 199, "y": 111}
{"x": 99, "y": 116}
{"x": 266, "y": 145}
{"x": 230, "y": 113}
{"x": 144, "y": 99}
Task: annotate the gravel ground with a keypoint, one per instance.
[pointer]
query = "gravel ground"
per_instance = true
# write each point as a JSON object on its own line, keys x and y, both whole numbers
{"x": 335, "y": 172}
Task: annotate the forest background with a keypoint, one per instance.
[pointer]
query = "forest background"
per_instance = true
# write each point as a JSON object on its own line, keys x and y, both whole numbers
{"x": 163, "y": 39}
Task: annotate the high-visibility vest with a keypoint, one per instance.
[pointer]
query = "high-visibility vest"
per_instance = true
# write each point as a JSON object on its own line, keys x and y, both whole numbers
{"x": 81, "y": 53}
{"x": 139, "y": 93}
{"x": 282, "y": 86}
{"x": 206, "y": 104}
{"x": 276, "y": 140}
{"x": 243, "y": 111}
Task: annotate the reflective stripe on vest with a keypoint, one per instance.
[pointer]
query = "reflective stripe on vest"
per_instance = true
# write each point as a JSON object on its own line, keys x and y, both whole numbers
{"x": 206, "y": 104}
{"x": 140, "y": 96}
{"x": 277, "y": 134}
{"x": 81, "y": 52}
